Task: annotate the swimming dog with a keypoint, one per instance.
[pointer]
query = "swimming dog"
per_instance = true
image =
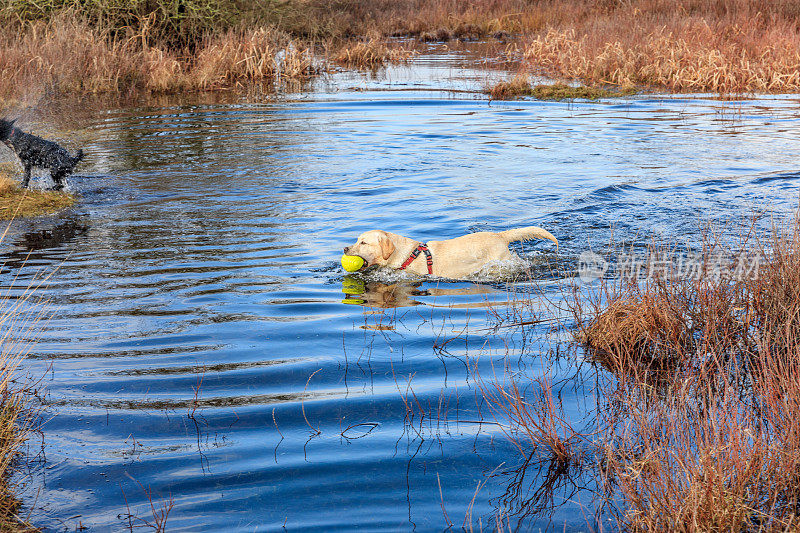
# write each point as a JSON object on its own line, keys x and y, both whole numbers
{"x": 453, "y": 258}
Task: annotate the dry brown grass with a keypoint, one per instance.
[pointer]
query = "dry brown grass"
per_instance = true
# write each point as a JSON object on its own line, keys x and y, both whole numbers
{"x": 723, "y": 46}
{"x": 537, "y": 424}
{"x": 684, "y": 45}
{"x": 741, "y": 46}
{"x": 20, "y": 317}
{"x": 261, "y": 54}
{"x": 698, "y": 392}
{"x": 716, "y": 445}
{"x": 429, "y": 20}
{"x": 67, "y": 56}
{"x": 684, "y": 462}
{"x": 16, "y": 421}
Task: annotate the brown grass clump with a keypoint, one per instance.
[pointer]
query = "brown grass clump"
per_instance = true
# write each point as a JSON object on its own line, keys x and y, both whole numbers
{"x": 513, "y": 88}
{"x": 635, "y": 328}
{"x": 371, "y": 54}
{"x": 16, "y": 202}
{"x": 441, "y": 35}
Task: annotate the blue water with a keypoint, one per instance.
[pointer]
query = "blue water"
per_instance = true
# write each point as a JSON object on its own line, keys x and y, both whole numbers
{"x": 205, "y": 345}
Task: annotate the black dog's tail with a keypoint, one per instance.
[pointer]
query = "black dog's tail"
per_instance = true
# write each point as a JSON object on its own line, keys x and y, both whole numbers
{"x": 6, "y": 127}
{"x": 79, "y": 156}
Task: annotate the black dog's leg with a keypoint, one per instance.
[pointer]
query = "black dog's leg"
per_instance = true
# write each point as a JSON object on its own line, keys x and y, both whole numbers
{"x": 27, "y": 177}
{"x": 58, "y": 178}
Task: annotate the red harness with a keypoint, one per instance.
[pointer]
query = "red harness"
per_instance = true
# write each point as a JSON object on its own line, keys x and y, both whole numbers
{"x": 415, "y": 253}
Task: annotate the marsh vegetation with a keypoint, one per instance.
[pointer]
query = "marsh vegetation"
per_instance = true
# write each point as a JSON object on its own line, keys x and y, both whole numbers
{"x": 64, "y": 47}
{"x": 697, "y": 395}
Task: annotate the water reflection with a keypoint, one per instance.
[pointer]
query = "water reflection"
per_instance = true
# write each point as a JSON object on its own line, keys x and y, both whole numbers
{"x": 372, "y": 293}
{"x": 55, "y": 235}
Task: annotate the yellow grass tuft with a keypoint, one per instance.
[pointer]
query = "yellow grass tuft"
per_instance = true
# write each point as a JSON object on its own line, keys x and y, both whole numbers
{"x": 16, "y": 202}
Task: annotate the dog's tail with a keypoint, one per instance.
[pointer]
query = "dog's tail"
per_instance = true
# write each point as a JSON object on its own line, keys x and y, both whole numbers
{"x": 6, "y": 127}
{"x": 526, "y": 234}
{"x": 78, "y": 157}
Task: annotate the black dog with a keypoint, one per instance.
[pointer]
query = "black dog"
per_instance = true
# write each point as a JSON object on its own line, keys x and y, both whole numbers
{"x": 34, "y": 151}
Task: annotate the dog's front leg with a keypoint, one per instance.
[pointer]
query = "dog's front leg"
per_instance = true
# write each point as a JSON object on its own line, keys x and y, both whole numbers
{"x": 27, "y": 177}
{"x": 58, "y": 178}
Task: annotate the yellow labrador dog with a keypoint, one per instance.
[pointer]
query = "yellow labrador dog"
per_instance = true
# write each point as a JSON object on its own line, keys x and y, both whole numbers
{"x": 454, "y": 258}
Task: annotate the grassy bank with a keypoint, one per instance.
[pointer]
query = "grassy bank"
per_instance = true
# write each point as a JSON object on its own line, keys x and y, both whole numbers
{"x": 16, "y": 202}
{"x": 63, "y": 46}
{"x": 698, "y": 391}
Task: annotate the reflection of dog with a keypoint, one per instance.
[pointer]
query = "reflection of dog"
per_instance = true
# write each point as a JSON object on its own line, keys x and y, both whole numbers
{"x": 377, "y": 294}
{"x": 454, "y": 258}
{"x": 34, "y": 151}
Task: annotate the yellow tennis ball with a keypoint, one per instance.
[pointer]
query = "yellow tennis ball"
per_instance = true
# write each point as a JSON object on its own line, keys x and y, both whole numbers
{"x": 351, "y": 263}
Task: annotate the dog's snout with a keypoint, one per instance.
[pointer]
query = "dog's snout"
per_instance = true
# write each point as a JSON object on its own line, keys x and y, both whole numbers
{"x": 346, "y": 249}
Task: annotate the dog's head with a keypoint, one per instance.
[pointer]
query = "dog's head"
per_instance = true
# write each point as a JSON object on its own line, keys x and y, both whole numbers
{"x": 374, "y": 247}
{"x": 6, "y": 128}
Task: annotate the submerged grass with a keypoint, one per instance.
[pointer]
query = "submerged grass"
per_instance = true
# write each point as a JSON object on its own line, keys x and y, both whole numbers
{"x": 696, "y": 425}
{"x": 520, "y": 86}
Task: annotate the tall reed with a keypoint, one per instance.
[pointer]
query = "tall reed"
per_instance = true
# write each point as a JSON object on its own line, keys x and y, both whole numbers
{"x": 21, "y": 313}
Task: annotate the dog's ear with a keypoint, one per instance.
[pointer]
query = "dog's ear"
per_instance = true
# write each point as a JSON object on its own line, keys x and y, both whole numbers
{"x": 387, "y": 246}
